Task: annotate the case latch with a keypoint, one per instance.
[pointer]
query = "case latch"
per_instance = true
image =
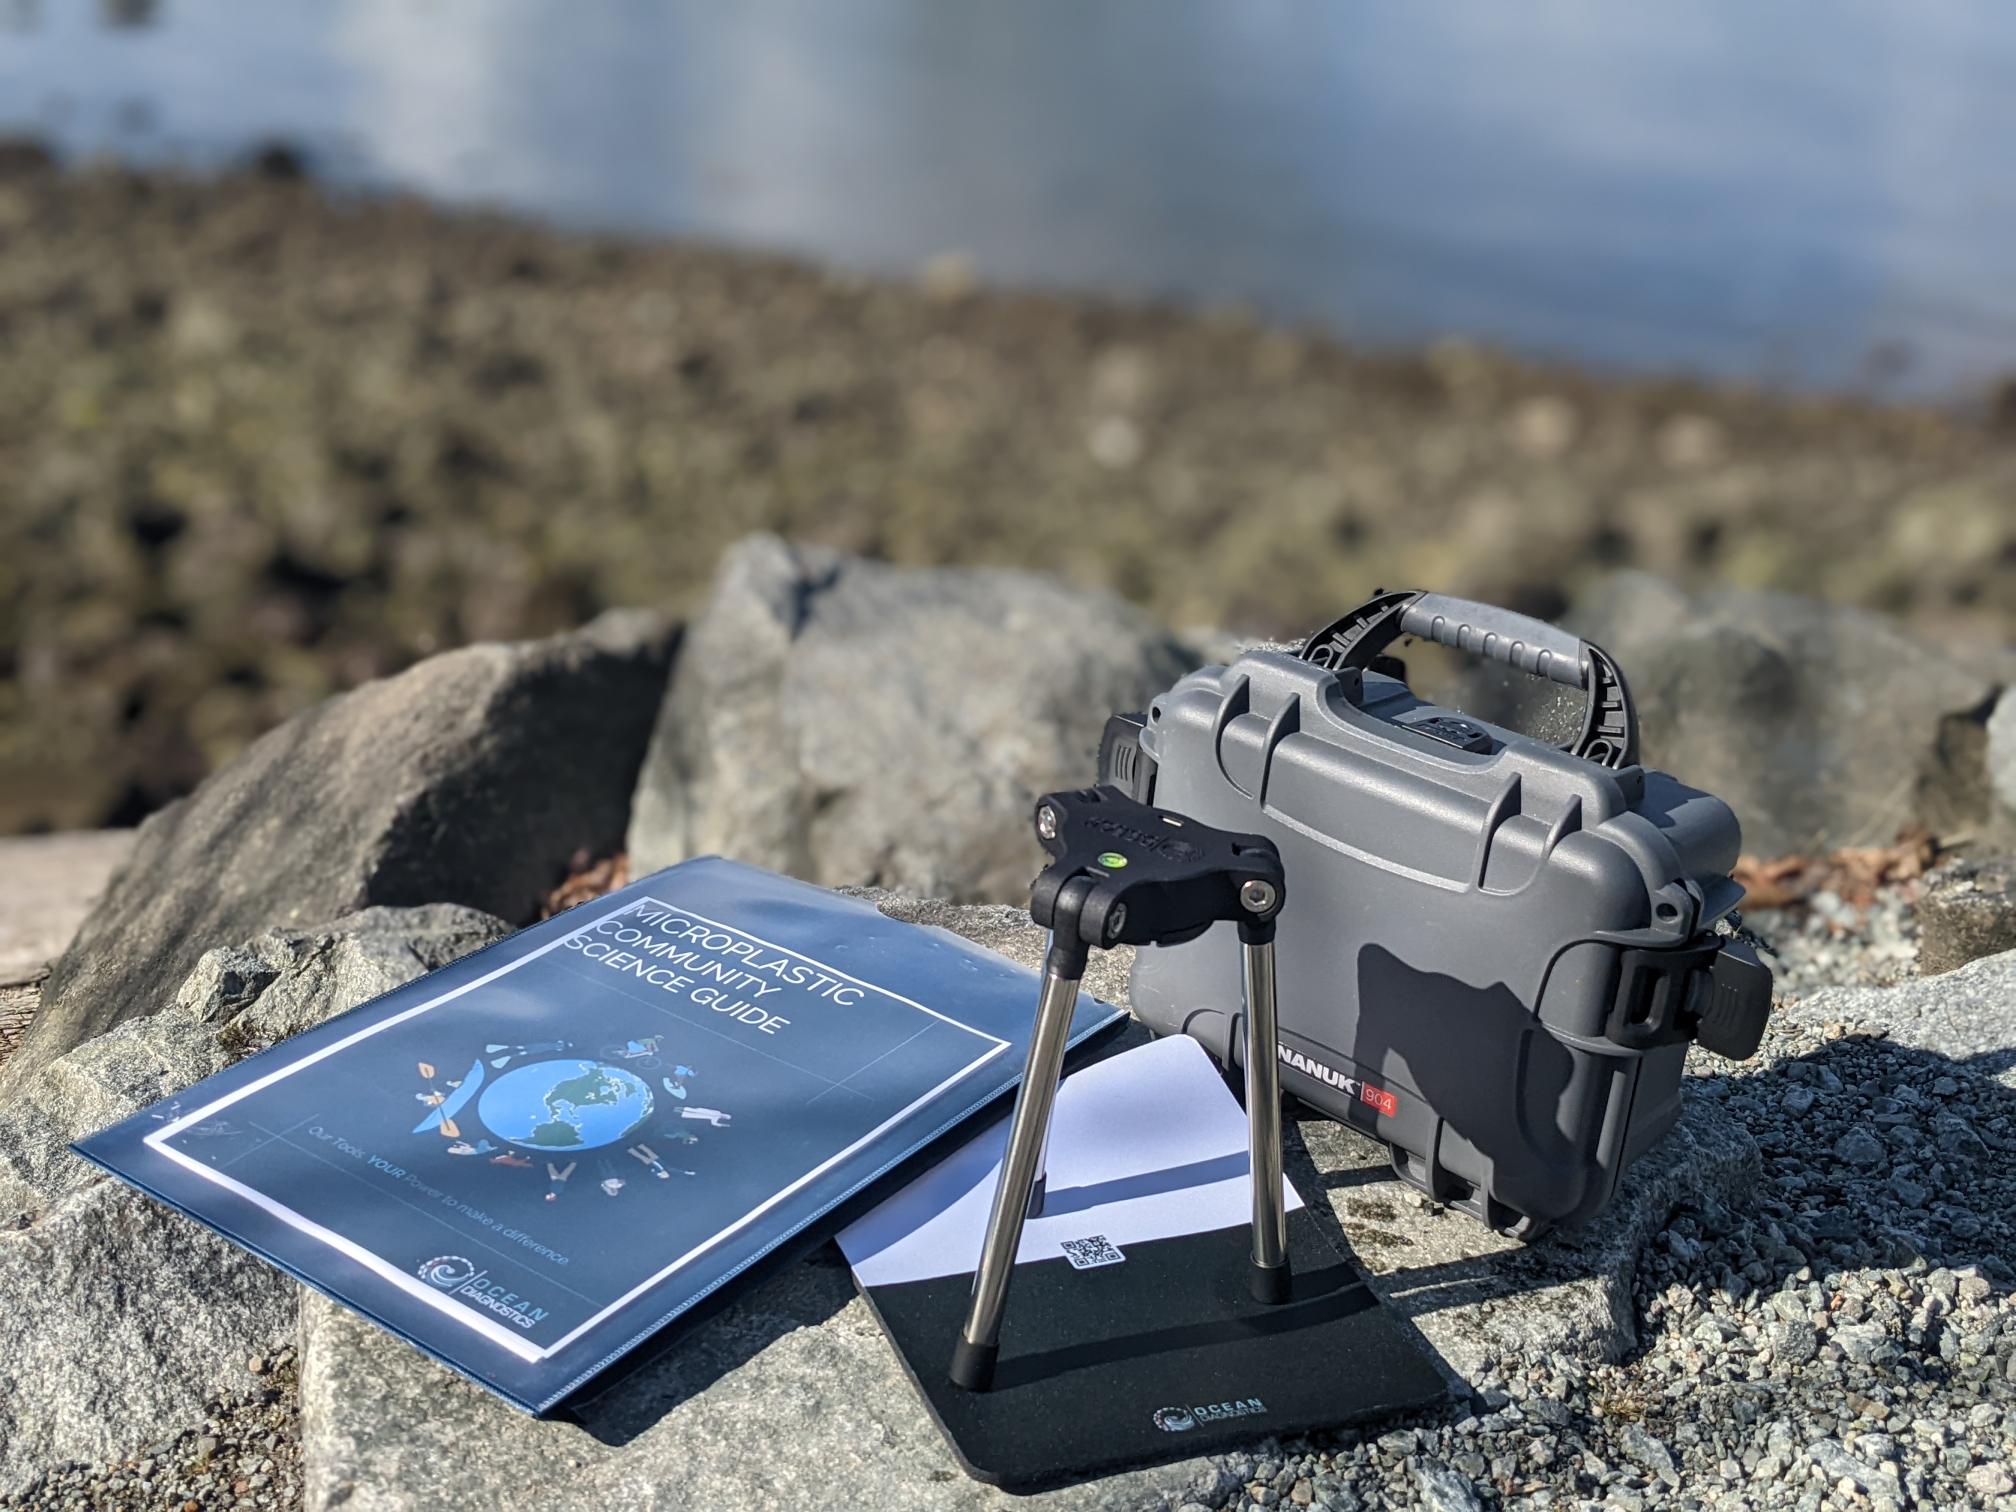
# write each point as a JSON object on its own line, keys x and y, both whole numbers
{"x": 1738, "y": 1001}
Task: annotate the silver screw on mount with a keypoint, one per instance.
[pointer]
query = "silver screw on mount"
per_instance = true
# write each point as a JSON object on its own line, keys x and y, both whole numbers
{"x": 1256, "y": 896}
{"x": 1046, "y": 822}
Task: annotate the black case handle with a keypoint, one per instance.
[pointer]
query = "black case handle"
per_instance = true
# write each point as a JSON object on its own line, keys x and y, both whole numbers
{"x": 1609, "y": 735}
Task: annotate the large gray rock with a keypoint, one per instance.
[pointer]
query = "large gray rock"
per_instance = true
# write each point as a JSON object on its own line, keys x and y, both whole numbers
{"x": 288, "y": 980}
{"x": 1966, "y": 1015}
{"x": 99, "y": 1083}
{"x": 470, "y": 778}
{"x": 119, "y": 1319}
{"x": 792, "y": 1398}
{"x": 1821, "y": 726}
{"x": 1967, "y": 911}
{"x": 2002, "y": 760}
{"x": 852, "y": 722}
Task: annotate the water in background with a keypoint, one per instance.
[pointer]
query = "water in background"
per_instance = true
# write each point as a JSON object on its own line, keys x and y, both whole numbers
{"x": 1810, "y": 195}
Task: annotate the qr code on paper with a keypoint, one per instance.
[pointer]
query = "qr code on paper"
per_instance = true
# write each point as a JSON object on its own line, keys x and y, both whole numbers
{"x": 1093, "y": 1250}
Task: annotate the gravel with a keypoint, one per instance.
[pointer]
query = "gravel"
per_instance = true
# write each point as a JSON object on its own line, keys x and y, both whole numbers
{"x": 1828, "y": 942}
{"x": 246, "y": 1454}
{"x": 1844, "y": 1337}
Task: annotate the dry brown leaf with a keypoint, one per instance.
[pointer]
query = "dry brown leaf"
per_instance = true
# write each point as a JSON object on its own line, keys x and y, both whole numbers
{"x": 587, "y": 878}
{"x": 1855, "y": 873}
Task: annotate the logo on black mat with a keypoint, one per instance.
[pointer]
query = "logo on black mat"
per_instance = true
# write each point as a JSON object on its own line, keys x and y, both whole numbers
{"x": 1183, "y": 1419}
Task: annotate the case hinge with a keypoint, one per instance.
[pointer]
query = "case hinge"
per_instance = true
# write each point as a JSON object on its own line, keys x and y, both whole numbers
{"x": 1652, "y": 1005}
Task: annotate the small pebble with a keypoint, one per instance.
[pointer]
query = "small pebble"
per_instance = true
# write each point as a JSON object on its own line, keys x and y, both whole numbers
{"x": 1990, "y": 1480}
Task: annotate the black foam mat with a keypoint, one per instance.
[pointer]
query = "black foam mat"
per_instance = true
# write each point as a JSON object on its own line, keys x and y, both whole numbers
{"x": 1160, "y": 1356}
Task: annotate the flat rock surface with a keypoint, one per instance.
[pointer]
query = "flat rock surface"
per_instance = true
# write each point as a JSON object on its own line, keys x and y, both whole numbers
{"x": 122, "y": 1320}
{"x": 47, "y": 884}
{"x": 470, "y": 778}
{"x": 847, "y": 721}
{"x": 792, "y": 1398}
{"x": 1968, "y": 1015}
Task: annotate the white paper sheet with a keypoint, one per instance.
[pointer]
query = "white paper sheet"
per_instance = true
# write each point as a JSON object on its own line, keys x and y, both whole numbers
{"x": 1146, "y": 1145}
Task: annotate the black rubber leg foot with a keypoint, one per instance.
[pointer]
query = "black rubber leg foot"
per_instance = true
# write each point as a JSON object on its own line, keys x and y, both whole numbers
{"x": 973, "y": 1365}
{"x": 1268, "y": 1283}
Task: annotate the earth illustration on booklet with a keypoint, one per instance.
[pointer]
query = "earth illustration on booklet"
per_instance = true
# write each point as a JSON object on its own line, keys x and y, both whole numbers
{"x": 590, "y": 1104}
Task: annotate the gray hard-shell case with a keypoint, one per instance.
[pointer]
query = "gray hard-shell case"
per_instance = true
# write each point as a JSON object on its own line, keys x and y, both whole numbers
{"x": 1480, "y": 925}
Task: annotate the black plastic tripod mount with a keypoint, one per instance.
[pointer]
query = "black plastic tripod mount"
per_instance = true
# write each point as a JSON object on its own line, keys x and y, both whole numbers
{"x": 1123, "y": 873}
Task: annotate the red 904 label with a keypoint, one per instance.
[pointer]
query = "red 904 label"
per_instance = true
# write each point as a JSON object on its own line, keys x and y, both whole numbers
{"x": 1376, "y": 1098}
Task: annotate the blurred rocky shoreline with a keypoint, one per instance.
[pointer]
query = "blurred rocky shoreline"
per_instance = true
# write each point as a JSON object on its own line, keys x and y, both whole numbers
{"x": 261, "y": 443}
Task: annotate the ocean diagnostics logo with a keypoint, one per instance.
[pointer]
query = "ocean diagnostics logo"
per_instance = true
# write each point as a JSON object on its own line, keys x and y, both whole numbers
{"x": 447, "y": 1271}
{"x": 1183, "y": 1419}
{"x": 1165, "y": 845}
{"x": 459, "y": 1275}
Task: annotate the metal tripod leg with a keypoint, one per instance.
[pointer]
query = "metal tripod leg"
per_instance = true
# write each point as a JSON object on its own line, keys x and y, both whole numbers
{"x": 1028, "y": 1133}
{"x": 1268, "y": 1279}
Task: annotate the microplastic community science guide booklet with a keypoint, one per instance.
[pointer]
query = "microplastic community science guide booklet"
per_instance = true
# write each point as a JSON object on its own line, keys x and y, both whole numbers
{"x": 532, "y": 1160}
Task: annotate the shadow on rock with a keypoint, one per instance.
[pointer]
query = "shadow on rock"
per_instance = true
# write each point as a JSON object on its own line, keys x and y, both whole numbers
{"x": 1876, "y": 1158}
{"x": 1804, "y": 1176}
{"x": 802, "y": 1294}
